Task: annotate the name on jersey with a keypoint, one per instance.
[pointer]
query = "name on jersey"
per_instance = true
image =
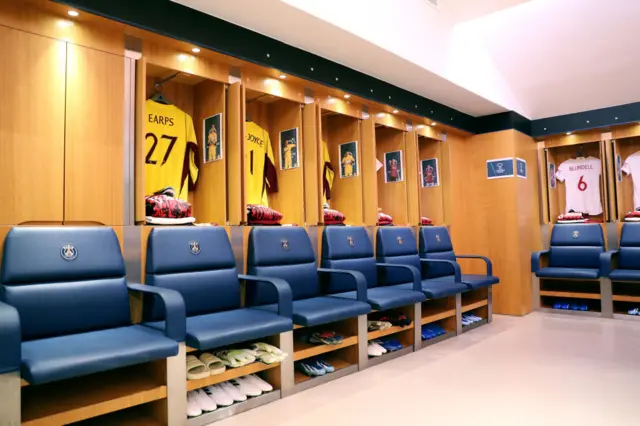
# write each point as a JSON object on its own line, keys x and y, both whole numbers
{"x": 255, "y": 139}
{"x": 581, "y": 167}
{"x": 159, "y": 119}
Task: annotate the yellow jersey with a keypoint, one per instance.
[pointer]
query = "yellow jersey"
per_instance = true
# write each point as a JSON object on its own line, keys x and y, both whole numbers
{"x": 328, "y": 173}
{"x": 260, "y": 170}
{"x": 169, "y": 139}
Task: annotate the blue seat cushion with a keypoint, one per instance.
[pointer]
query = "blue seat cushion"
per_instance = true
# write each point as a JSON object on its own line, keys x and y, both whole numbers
{"x": 625, "y": 275}
{"x": 64, "y": 357}
{"x": 322, "y": 310}
{"x": 476, "y": 281}
{"x": 577, "y": 273}
{"x": 387, "y": 297}
{"x": 437, "y": 288}
{"x": 228, "y": 327}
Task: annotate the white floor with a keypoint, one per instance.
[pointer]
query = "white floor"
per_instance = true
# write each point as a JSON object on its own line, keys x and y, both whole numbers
{"x": 542, "y": 369}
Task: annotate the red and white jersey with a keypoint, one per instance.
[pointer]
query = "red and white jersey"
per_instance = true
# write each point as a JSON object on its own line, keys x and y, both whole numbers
{"x": 582, "y": 179}
{"x": 632, "y": 167}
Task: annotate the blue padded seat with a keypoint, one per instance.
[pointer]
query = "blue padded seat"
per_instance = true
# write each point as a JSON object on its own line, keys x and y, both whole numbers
{"x": 574, "y": 252}
{"x": 350, "y": 248}
{"x": 286, "y": 253}
{"x": 199, "y": 263}
{"x": 435, "y": 244}
{"x": 68, "y": 286}
{"x": 397, "y": 245}
{"x": 628, "y": 256}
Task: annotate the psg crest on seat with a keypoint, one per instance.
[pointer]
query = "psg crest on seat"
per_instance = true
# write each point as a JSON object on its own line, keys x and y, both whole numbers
{"x": 399, "y": 240}
{"x": 350, "y": 241}
{"x": 576, "y": 234}
{"x": 437, "y": 237}
{"x": 69, "y": 252}
{"x": 285, "y": 245}
{"x": 194, "y": 247}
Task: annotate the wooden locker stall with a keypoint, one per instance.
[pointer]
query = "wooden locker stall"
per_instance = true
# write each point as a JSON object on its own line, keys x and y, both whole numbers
{"x": 277, "y": 108}
{"x": 391, "y": 177}
{"x": 340, "y": 130}
{"x": 431, "y": 184}
{"x": 622, "y": 148}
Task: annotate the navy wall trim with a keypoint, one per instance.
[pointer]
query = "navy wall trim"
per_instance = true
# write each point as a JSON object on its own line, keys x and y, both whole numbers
{"x": 182, "y": 23}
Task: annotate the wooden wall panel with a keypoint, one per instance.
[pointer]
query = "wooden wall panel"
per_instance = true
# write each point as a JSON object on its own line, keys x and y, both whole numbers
{"x": 392, "y": 196}
{"x": 312, "y": 164}
{"x": 289, "y": 200}
{"x": 413, "y": 178}
{"x": 210, "y": 195}
{"x": 32, "y": 87}
{"x": 431, "y": 199}
{"x": 94, "y": 189}
{"x": 459, "y": 157}
{"x": 368, "y": 168}
{"x": 235, "y": 154}
{"x": 446, "y": 182}
{"x": 347, "y": 192}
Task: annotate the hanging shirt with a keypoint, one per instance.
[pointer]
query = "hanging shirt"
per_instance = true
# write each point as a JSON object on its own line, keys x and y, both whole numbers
{"x": 260, "y": 170}
{"x": 582, "y": 179}
{"x": 327, "y": 174}
{"x": 170, "y": 149}
{"x": 632, "y": 167}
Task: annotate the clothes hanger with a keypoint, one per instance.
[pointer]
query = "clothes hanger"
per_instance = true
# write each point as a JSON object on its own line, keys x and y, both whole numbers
{"x": 158, "y": 96}
{"x": 248, "y": 117}
{"x": 580, "y": 153}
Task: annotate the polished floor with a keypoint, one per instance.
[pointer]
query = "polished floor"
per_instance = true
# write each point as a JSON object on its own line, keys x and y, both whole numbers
{"x": 542, "y": 369}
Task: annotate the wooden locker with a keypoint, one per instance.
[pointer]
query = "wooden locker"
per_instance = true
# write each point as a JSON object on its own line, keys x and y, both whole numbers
{"x": 32, "y": 84}
{"x": 94, "y": 137}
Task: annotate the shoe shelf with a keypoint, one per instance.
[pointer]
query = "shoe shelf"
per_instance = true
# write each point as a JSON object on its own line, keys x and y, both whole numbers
{"x": 344, "y": 361}
{"x": 230, "y": 373}
{"x": 474, "y": 305}
{"x": 150, "y": 414}
{"x": 389, "y": 356}
{"x": 232, "y": 410}
{"x": 437, "y": 316}
{"x": 438, "y": 309}
{"x": 82, "y": 398}
{"x": 376, "y": 334}
{"x": 474, "y": 299}
{"x": 570, "y": 295}
{"x": 435, "y": 340}
{"x": 466, "y": 328}
{"x": 623, "y": 298}
{"x": 303, "y": 350}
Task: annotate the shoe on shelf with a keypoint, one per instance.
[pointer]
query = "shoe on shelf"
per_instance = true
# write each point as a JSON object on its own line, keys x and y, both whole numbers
{"x": 378, "y": 344}
{"x": 374, "y": 325}
{"x": 309, "y": 369}
{"x": 193, "y": 408}
{"x": 324, "y": 364}
{"x": 325, "y": 338}
{"x": 391, "y": 345}
{"x": 233, "y": 392}
{"x": 260, "y": 383}
{"x": 633, "y": 311}
{"x": 218, "y": 395}
{"x": 203, "y": 400}
{"x": 373, "y": 349}
{"x": 246, "y": 386}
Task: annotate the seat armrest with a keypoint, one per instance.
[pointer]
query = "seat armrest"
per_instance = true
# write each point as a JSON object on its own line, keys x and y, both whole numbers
{"x": 417, "y": 278}
{"x": 475, "y": 256}
{"x": 361, "y": 281}
{"x": 454, "y": 265}
{"x": 174, "y": 309}
{"x": 285, "y": 298}
{"x": 608, "y": 262}
{"x": 539, "y": 260}
{"x": 10, "y": 339}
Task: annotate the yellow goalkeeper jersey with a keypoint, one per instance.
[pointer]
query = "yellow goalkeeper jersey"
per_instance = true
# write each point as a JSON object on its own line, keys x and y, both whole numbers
{"x": 260, "y": 170}
{"x": 170, "y": 149}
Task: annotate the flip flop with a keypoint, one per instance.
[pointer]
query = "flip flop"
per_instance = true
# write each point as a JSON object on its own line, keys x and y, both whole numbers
{"x": 259, "y": 382}
{"x": 193, "y": 408}
{"x": 213, "y": 363}
{"x": 196, "y": 369}
{"x": 270, "y": 349}
{"x": 267, "y": 357}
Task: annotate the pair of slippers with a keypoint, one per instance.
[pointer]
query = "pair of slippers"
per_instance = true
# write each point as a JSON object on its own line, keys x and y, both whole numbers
{"x": 268, "y": 354}
{"x": 313, "y": 368}
{"x": 400, "y": 320}
{"x": 204, "y": 366}
{"x": 390, "y": 345}
{"x": 571, "y": 306}
{"x": 430, "y": 331}
{"x": 634, "y": 311}
{"x": 468, "y": 319}
{"x": 375, "y": 349}
{"x": 378, "y": 325}
{"x": 325, "y": 338}
{"x": 237, "y": 357}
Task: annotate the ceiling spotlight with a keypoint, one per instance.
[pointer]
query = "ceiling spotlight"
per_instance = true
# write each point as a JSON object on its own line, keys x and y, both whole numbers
{"x": 282, "y": 76}
{"x": 395, "y": 111}
{"x": 347, "y": 96}
{"x": 64, "y": 23}
{"x": 196, "y": 50}
{"x": 420, "y": 126}
{"x": 568, "y": 133}
{"x": 433, "y": 123}
{"x": 73, "y": 13}
{"x": 380, "y": 114}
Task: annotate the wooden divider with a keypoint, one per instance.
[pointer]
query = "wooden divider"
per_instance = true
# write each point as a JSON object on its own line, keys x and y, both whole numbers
{"x": 392, "y": 196}
{"x": 369, "y": 178}
{"x": 312, "y": 164}
{"x": 413, "y": 178}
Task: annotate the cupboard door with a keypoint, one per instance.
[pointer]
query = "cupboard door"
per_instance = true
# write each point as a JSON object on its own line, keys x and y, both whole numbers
{"x": 32, "y": 82}
{"x": 94, "y": 160}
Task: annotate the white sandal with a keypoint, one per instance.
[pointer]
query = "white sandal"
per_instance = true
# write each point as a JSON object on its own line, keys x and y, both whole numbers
{"x": 196, "y": 369}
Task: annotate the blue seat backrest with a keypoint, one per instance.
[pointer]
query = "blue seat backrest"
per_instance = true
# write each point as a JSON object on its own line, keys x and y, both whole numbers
{"x": 196, "y": 261}
{"x": 576, "y": 246}
{"x": 281, "y": 252}
{"x": 629, "y": 257}
{"x": 435, "y": 243}
{"x": 64, "y": 280}
{"x": 347, "y": 247}
{"x": 398, "y": 246}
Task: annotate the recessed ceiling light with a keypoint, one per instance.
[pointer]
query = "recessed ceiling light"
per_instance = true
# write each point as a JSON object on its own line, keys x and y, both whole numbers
{"x": 380, "y": 114}
{"x": 347, "y": 96}
{"x": 395, "y": 111}
{"x": 73, "y": 13}
{"x": 420, "y": 126}
{"x": 196, "y": 50}
{"x": 282, "y": 76}
{"x": 64, "y": 23}
{"x": 433, "y": 123}
{"x": 568, "y": 133}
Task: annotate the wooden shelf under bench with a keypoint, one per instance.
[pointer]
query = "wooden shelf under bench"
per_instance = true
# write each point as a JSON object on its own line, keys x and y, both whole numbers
{"x": 230, "y": 373}
{"x": 433, "y": 316}
{"x": 570, "y": 295}
{"x": 376, "y": 334}
{"x": 303, "y": 350}
{"x": 474, "y": 305}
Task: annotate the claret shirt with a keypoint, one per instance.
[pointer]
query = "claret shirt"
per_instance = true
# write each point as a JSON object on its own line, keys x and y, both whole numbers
{"x": 582, "y": 179}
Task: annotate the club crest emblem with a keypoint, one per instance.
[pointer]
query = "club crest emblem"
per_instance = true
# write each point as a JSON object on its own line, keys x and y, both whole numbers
{"x": 399, "y": 240}
{"x": 194, "y": 247}
{"x": 437, "y": 238}
{"x": 351, "y": 241}
{"x": 69, "y": 252}
{"x": 576, "y": 234}
{"x": 285, "y": 245}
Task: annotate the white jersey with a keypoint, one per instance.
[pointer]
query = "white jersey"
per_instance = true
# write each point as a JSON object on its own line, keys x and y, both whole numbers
{"x": 582, "y": 179}
{"x": 632, "y": 167}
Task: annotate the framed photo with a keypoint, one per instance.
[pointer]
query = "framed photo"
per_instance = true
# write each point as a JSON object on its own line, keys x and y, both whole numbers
{"x": 552, "y": 176}
{"x": 521, "y": 168}
{"x": 393, "y": 167}
{"x": 289, "y": 149}
{"x": 212, "y": 137}
{"x": 429, "y": 173}
{"x": 348, "y": 155}
{"x": 499, "y": 168}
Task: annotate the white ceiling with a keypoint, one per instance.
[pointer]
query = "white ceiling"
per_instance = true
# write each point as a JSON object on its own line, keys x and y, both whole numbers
{"x": 540, "y": 58}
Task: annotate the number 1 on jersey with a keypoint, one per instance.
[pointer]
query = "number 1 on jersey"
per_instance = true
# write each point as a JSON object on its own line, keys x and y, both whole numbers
{"x": 582, "y": 185}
